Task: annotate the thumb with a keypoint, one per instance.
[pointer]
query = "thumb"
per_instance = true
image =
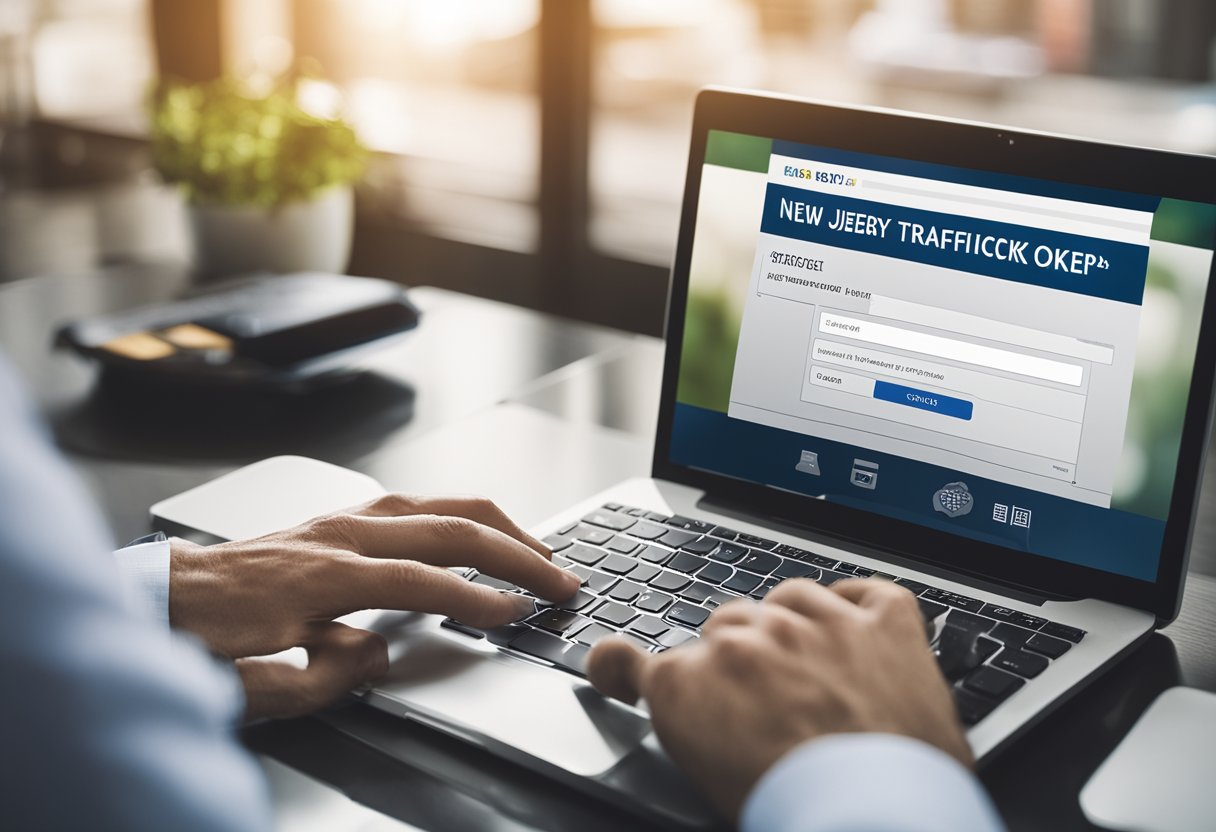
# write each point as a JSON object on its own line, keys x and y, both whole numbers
{"x": 340, "y": 659}
{"x": 615, "y": 667}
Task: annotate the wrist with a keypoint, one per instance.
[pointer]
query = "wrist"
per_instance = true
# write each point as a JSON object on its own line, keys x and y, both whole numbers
{"x": 187, "y": 581}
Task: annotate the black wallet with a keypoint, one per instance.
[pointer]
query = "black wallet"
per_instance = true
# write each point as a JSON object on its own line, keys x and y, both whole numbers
{"x": 271, "y": 331}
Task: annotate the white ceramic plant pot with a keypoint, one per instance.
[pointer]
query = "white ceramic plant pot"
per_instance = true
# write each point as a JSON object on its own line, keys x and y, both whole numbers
{"x": 296, "y": 237}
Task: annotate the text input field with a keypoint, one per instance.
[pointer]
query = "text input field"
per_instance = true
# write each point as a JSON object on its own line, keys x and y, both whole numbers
{"x": 951, "y": 349}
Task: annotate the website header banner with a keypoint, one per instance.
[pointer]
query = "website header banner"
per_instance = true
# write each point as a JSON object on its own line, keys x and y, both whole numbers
{"x": 1055, "y": 260}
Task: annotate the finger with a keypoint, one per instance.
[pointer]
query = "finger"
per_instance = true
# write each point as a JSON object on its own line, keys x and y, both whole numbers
{"x": 409, "y": 585}
{"x": 615, "y": 668}
{"x": 867, "y": 592}
{"x": 477, "y": 509}
{"x": 340, "y": 659}
{"x": 736, "y": 613}
{"x": 884, "y": 596}
{"x": 809, "y": 599}
{"x": 456, "y": 541}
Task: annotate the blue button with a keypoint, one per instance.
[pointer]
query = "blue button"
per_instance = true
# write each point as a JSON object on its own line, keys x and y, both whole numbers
{"x": 923, "y": 400}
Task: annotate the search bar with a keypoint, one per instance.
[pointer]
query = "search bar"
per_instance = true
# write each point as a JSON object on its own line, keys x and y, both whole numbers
{"x": 949, "y": 348}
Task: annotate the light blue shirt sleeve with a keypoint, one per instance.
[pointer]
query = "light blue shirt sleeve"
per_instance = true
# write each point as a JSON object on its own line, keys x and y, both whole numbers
{"x": 145, "y": 572}
{"x": 868, "y": 783}
{"x": 109, "y": 722}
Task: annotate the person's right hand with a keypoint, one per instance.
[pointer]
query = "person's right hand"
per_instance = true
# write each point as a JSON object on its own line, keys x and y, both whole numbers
{"x": 765, "y": 677}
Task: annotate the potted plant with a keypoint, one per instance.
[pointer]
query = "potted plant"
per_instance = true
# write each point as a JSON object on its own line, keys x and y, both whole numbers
{"x": 268, "y": 184}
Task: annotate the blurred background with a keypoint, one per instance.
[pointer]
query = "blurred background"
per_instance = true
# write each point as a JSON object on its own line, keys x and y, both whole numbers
{"x": 533, "y": 151}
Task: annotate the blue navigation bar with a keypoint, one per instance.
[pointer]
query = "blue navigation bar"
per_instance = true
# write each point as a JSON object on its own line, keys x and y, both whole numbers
{"x": 923, "y": 400}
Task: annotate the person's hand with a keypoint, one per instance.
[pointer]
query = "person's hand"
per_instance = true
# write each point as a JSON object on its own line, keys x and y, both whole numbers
{"x": 258, "y": 597}
{"x": 765, "y": 677}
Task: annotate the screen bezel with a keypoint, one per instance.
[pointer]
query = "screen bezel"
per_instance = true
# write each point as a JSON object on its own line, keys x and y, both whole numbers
{"x": 986, "y": 148}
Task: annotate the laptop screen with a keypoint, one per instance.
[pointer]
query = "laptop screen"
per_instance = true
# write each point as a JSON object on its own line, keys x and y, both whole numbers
{"x": 1000, "y": 358}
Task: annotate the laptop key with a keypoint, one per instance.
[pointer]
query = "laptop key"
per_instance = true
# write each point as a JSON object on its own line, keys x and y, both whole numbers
{"x": 715, "y": 573}
{"x": 615, "y": 507}
{"x": 495, "y": 635}
{"x": 743, "y": 582}
{"x": 581, "y": 600}
{"x": 583, "y": 572}
{"x": 557, "y": 621}
{"x": 701, "y": 546}
{"x": 827, "y": 577}
{"x": 755, "y": 542}
{"x": 964, "y": 602}
{"x": 648, "y": 531}
{"x": 599, "y": 583}
{"x": 674, "y": 638}
{"x": 556, "y": 542}
{"x": 1063, "y": 631}
{"x": 972, "y": 707}
{"x": 648, "y": 626}
{"x": 675, "y": 538}
{"x": 998, "y": 612}
{"x": 653, "y": 601}
{"x": 643, "y": 573}
{"x": 654, "y": 554}
{"x": 759, "y": 562}
{"x": 549, "y": 647}
{"x": 1050, "y": 647}
{"x": 1010, "y": 635}
{"x": 610, "y": 520}
{"x": 728, "y": 552}
{"x": 796, "y": 569}
{"x": 759, "y": 592}
{"x": 657, "y": 517}
{"x": 622, "y": 544}
{"x": 613, "y": 613}
{"x": 617, "y": 564}
{"x": 969, "y": 621}
{"x": 592, "y": 633}
{"x": 992, "y": 682}
{"x": 671, "y": 582}
{"x": 689, "y": 524}
{"x": 717, "y": 598}
{"x": 690, "y": 615}
{"x": 697, "y": 591}
{"x": 915, "y": 587}
{"x": 724, "y": 532}
{"x": 1020, "y": 662}
{"x": 1031, "y": 622}
{"x": 686, "y": 562}
{"x": 625, "y": 592}
{"x": 596, "y": 537}
{"x": 494, "y": 583}
{"x": 930, "y": 610}
{"x": 584, "y": 554}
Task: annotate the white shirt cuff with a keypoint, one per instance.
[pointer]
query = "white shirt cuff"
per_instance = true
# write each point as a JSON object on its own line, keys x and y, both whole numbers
{"x": 145, "y": 571}
{"x": 870, "y": 783}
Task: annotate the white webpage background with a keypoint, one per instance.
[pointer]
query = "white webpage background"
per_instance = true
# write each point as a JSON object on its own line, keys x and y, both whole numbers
{"x": 773, "y": 362}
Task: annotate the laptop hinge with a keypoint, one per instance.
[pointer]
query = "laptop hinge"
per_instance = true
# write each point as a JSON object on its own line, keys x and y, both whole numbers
{"x": 1014, "y": 591}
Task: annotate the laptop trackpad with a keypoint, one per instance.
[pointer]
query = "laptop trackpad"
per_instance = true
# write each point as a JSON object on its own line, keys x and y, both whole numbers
{"x": 477, "y": 692}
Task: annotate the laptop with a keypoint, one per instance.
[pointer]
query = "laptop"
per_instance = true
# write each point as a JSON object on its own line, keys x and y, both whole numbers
{"x": 971, "y": 360}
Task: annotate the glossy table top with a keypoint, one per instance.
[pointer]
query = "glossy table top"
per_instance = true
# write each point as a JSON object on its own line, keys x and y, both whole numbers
{"x": 424, "y": 421}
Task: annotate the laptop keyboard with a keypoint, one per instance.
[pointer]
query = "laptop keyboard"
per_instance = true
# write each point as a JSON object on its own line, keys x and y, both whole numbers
{"x": 655, "y": 578}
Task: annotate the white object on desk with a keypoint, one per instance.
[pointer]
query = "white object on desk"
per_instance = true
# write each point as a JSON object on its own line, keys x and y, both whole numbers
{"x": 1162, "y": 777}
{"x": 276, "y": 493}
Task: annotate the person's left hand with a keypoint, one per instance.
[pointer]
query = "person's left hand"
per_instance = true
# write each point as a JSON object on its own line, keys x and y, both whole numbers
{"x": 258, "y": 597}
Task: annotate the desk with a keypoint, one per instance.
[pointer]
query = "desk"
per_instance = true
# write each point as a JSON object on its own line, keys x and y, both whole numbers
{"x": 590, "y": 387}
